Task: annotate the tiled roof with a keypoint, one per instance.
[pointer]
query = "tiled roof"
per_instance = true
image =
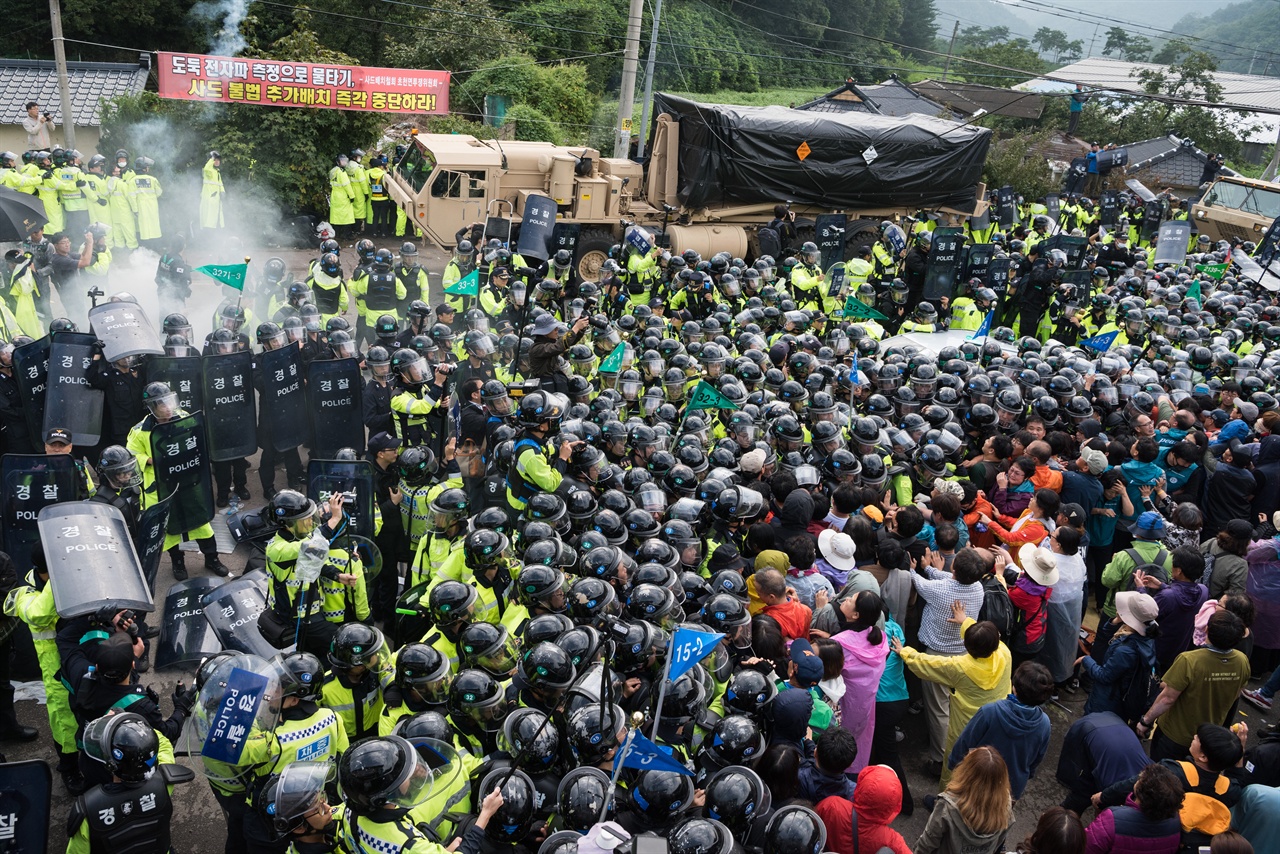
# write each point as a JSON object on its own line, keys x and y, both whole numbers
{"x": 968, "y": 98}
{"x": 849, "y": 98}
{"x": 23, "y": 80}
{"x": 1167, "y": 160}
{"x": 890, "y": 98}
{"x": 895, "y": 98}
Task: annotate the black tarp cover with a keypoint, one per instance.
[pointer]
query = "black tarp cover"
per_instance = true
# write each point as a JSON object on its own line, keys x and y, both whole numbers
{"x": 748, "y": 155}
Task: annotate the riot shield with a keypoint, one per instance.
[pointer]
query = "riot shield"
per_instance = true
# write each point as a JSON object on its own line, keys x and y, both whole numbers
{"x": 536, "y": 227}
{"x": 26, "y": 791}
{"x": 1139, "y": 189}
{"x": 231, "y": 417}
{"x": 31, "y": 371}
{"x": 1270, "y": 242}
{"x": 283, "y": 412}
{"x": 124, "y": 330}
{"x": 232, "y": 608}
{"x": 1073, "y": 247}
{"x": 354, "y": 480}
{"x": 71, "y": 402}
{"x": 186, "y": 636}
{"x": 565, "y": 236}
{"x": 837, "y": 276}
{"x": 1053, "y": 206}
{"x": 1007, "y": 205}
{"x": 1152, "y": 215}
{"x": 32, "y": 482}
{"x": 1109, "y": 208}
{"x": 181, "y": 460}
{"x": 998, "y": 273}
{"x": 829, "y": 232}
{"x": 92, "y": 562}
{"x": 150, "y": 540}
{"x": 944, "y": 264}
{"x": 977, "y": 260}
{"x": 334, "y": 396}
{"x": 897, "y": 239}
{"x": 1252, "y": 271}
{"x": 1171, "y": 248}
{"x": 368, "y": 552}
{"x": 183, "y": 375}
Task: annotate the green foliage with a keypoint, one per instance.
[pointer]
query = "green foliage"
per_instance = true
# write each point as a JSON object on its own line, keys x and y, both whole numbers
{"x": 1016, "y": 53}
{"x": 1126, "y": 45}
{"x": 1248, "y": 26}
{"x": 548, "y": 90}
{"x": 1008, "y": 164}
{"x": 532, "y": 124}
{"x": 919, "y": 27}
{"x": 163, "y": 22}
{"x": 974, "y": 37}
{"x": 569, "y": 29}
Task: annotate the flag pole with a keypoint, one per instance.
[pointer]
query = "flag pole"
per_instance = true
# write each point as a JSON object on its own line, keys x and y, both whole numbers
{"x": 618, "y": 765}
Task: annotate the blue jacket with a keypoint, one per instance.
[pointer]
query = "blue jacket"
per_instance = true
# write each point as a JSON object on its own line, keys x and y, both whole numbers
{"x": 816, "y": 784}
{"x": 1111, "y": 680}
{"x": 1020, "y": 732}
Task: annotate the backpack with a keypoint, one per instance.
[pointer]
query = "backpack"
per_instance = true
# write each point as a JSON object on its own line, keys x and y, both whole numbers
{"x": 1139, "y": 694}
{"x": 1201, "y": 811}
{"x": 1022, "y": 622}
{"x": 1209, "y": 559}
{"x": 998, "y": 607}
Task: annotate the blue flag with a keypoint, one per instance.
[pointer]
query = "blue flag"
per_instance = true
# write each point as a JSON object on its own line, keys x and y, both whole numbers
{"x": 688, "y": 648}
{"x": 1101, "y": 343}
{"x": 985, "y": 329}
{"x": 235, "y": 716}
{"x": 643, "y": 755}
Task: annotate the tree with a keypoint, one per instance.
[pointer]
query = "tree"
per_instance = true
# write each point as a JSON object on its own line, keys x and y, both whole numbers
{"x": 1016, "y": 161}
{"x": 1017, "y": 54}
{"x": 919, "y": 27}
{"x": 1050, "y": 40}
{"x": 1126, "y": 45}
{"x": 1072, "y": 50}
{"x": 557, "y": 94}
{"x": 975, "y": 37}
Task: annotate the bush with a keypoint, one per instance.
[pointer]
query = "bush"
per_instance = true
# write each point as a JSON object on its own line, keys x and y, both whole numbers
{"x": 1014, "y": 160}
{"x": 555, "y": 94}
{"x": 532, "y": 125}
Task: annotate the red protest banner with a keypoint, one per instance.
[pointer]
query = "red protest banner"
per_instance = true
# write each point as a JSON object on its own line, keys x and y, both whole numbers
{"x": 276, "y": 83}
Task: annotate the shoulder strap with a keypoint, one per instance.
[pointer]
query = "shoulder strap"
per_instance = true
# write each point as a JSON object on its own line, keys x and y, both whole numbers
{"x": 853, "y": 818}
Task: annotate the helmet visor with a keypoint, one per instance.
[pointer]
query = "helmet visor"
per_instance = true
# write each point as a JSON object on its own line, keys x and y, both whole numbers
{"x": 164, "y": 407}
{"x": 501, "y": 406}
{"x": 502, "y": 660}
{"x": 300, "y": 791}
{"x": 482, "y": 347}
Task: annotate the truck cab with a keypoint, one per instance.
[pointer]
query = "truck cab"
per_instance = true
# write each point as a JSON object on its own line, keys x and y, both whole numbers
{"x": 1237, "y": 207}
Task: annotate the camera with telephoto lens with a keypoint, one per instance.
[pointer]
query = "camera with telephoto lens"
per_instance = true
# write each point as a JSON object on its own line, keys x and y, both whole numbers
{"x": 612, "y": 627}
{"x": 95, "y": 292}
{"x": 446, "y": 368}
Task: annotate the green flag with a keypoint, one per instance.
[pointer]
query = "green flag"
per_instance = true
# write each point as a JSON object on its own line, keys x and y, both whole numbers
{"x": 231, "y": 275}
{"x": 705, "y": 396}
{"x": 467, "y": 286}
{"x": 1193, "y": 292}
{"x": 612, "y": 363}
{"x": 1213, "y": 271}
{"x": 854, "y": 307}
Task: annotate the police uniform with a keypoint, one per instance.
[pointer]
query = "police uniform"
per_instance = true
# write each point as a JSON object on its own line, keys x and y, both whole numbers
{"x": 410, "y": 406}
{"x": 414, "y": 281}
{"x": 532, "y": 471}
{"x": 124, "y": 818}
{"x": 357, "y": 704}
{"x": 329, "y": 293}
{"x": 377, "y": 293}
{"x": 32, "y": 602}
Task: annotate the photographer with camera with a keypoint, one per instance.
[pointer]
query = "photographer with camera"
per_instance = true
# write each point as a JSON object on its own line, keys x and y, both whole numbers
{"x": 546, "y": 358}
{"x": 64, "y": 269}
{"x": 38, "y": 124}
{"x": 98, "y": 655}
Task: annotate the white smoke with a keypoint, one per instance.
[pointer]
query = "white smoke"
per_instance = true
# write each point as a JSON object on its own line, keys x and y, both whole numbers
{"x": 226, "y": 15}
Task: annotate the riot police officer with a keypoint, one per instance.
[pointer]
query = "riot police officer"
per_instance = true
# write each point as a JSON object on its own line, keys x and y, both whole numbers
{"x": 378, "y": 293}
{"x": 360, "y": 672}
{"x": 133, "y": 811}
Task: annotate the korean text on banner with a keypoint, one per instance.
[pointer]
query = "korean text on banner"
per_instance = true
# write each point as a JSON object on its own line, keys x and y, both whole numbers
{"x": 274, "y": 83}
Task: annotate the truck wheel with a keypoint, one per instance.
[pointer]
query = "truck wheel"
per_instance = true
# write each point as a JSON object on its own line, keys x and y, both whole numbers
{"x": 593, "y": 249}
{"x": 862, "y": 232}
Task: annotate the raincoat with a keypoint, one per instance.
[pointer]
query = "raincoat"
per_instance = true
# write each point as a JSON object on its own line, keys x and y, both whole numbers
{"x": 211, "y": 197}
{"x": 864, "y": 663}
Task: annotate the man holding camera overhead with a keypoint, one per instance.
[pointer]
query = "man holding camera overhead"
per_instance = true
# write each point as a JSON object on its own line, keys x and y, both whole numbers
{"x": 38, "y": 125}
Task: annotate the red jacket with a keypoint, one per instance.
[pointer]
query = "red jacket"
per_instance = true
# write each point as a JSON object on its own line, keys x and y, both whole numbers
{"x": 878, "y": 800}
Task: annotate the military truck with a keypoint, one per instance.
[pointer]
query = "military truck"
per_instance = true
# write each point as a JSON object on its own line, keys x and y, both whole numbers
{"x": 1238, "y": 207}
{"x": 711, "y": 181}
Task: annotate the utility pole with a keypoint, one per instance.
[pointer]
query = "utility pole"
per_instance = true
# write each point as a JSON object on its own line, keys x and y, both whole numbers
{"x": 627, "y": 97}
{"x": 1094, "y": 40}
{"x": 1252, "y": 59}
{"x": 950, "y": 46}
{"x": 648, "y": 80}
{"x": 1269, "y": 174}
{"x": 64, "y": 86}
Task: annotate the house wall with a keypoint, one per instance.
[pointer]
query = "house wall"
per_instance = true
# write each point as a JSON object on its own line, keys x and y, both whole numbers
{"x": 14, "y": 138}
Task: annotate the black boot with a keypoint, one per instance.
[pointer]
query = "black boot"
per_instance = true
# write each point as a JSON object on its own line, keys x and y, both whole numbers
{"x": 214, "y": 565}
{"x": 10, "y": 729}
{"x": 69, "y": 770}
{"x": 179, "y": 564}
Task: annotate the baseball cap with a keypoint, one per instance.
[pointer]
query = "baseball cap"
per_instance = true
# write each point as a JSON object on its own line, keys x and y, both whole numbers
{"x": 752, "y": 461}
{"x": 808, "y": 665}
{"x": 382, "y": 442}
{"x": 1095, "y": 460}
{"x": 1074, "y": 514}
{"x": 57, "y": 436}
